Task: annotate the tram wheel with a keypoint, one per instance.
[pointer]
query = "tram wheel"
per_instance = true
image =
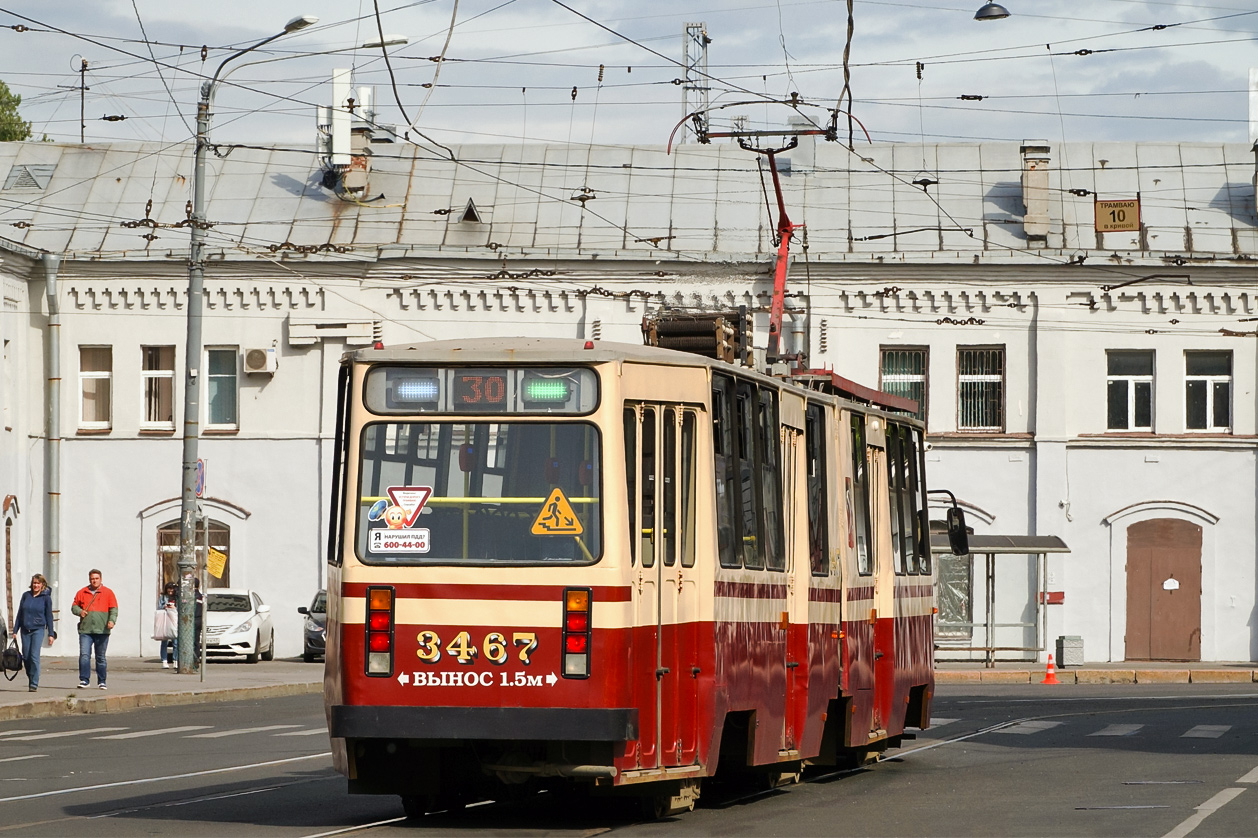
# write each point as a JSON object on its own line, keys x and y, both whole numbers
{"x": 655, "y": 806}
{"x": 415, "y": 806}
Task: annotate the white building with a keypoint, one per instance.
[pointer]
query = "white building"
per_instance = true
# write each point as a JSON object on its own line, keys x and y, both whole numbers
{"x": 1097, "y": 386}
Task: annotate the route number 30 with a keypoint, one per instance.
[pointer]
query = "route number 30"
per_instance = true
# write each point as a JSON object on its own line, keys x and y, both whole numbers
{"x": 461, "y": 648}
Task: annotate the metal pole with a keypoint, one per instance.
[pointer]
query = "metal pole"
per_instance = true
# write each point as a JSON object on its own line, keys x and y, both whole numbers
{"x": 192, "y": 358}
{"x": 191, "y": 401}
{"x": 83, "y": 102}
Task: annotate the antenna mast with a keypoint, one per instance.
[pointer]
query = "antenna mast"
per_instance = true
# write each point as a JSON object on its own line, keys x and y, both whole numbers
{"x": 694, "y": 59}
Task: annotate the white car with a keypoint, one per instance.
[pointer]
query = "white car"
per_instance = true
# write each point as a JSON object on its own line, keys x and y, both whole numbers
{"x": 238, "y": 622}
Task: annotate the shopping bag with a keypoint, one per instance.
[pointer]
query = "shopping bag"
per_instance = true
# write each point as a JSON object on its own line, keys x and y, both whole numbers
{"x": 165, "y": 624}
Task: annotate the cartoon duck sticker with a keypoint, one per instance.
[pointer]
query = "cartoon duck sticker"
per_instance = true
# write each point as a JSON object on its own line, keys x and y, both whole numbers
{"x": 395, "y": 517}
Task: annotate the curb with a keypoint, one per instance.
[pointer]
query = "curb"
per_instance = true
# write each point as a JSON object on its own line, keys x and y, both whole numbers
{"x": 72, "y": 705}
{"x": 1099, "y": 676}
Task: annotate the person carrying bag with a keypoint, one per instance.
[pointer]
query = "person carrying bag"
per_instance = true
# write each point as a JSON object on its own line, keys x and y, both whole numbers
{"x": 35, "y": 625}
{"x": 166, "y": 624}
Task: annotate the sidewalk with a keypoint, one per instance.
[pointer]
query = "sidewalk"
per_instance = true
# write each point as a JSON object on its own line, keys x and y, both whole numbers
{"x": 141, "y": 682}
{"x": 1124, "y": 672}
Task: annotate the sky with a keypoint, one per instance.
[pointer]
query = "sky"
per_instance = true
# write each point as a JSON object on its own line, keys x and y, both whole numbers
{"x": 1073, "y": 70}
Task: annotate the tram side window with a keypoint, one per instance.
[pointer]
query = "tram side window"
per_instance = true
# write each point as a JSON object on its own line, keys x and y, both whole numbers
{"x": 770, "y": 443}
{"x": 726, "y": 485}
{"x": 917, "y": 486}
{"x": 895, "y": 498}
{"x": 668, "y": 514}
{"x": 631, "y": 478}
{"x": 858, "y": 497}
{"x": 748, "y": 485}
{"x": 815, "y": 451}
{"x": 688, "y": 489}
{"x": 646, "y": 488}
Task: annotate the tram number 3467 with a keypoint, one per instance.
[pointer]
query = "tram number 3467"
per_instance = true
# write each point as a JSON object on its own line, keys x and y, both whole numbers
{"x": 494, "y": 647}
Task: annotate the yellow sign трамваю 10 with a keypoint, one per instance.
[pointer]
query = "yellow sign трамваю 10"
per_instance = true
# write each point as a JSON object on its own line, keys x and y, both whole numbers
{"x": 1118, "y": 216}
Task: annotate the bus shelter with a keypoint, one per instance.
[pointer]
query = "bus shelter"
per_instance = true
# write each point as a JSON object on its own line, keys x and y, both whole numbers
{"x": 1034, "y": 550}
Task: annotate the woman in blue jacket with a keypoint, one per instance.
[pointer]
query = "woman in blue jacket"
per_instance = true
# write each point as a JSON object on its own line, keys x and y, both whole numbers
{"x": 34, "y": 623}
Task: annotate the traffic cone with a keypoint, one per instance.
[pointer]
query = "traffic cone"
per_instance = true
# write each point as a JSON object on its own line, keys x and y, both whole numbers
{"x": 1050, "y": 674}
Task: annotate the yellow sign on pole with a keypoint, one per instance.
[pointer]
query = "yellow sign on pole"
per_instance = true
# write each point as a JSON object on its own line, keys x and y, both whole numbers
{"x": 556, "y": 517}
{"x": 1118, "y": 216}
{"x": 216, "y": 563}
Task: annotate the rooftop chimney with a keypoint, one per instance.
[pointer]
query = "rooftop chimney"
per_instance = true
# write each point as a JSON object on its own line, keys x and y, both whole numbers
{"x": 1035, "y": 160}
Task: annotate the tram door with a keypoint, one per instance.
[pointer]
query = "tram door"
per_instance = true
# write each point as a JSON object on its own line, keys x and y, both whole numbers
{"x": 798, "y": 652}
{"x": 663, "y": 471}
{"x": 883, "y": 615}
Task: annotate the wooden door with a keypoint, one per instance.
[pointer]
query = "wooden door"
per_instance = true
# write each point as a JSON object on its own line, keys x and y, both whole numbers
{"x": 1164, "y": 590}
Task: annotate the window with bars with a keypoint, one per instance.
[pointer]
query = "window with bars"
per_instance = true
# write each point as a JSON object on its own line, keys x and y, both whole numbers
{"x": 168, "y": 552}
{"x": 1208, "y": 390}
{"x": 96, "y": 374}
{"x": 1129, "y": 390}
{"x": 902, "y": 372}
{"x": 157, "y": 373}
{"x": 981, "y": 388}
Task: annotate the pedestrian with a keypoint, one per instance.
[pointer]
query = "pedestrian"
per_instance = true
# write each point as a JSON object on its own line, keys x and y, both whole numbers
{"x": 168, "y": 602}
{"x": 33, "y": 623}
{"x": 97, "y": 610}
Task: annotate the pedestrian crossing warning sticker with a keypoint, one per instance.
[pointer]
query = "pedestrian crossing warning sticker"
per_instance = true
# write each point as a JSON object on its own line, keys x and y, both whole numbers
{"x": 556, "y": 517}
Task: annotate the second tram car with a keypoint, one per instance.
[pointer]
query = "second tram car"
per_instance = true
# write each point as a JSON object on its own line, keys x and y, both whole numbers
{"x": 622, "y": 567}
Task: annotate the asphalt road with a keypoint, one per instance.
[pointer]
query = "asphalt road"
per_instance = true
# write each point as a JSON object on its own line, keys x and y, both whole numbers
{"x": 1021, "y": 760}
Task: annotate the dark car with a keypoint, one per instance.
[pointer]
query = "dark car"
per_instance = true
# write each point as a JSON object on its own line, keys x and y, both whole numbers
{"x": 316, "y": 631}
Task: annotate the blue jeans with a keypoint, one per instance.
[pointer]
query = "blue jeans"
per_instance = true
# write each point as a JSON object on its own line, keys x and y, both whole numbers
{"x": 86, "y": 641}
{"x": 167, "y": 651}
{"x": 32, "y": 643}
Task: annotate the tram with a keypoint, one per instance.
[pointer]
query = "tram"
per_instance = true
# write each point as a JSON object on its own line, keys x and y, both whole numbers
{"x": 620, "y": 569}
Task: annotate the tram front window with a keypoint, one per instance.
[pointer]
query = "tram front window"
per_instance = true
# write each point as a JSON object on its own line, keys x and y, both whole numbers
{"x": 480, "y": 493}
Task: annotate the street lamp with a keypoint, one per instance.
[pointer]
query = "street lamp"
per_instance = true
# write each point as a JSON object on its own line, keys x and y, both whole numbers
{"x": 192, "y": 353}
{"x": 991, "y": 11}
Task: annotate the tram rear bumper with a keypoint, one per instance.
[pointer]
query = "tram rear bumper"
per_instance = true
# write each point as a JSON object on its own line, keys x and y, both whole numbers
{"x": 575, "y": 724}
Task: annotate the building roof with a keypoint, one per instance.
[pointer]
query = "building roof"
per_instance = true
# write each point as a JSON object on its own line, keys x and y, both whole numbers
{"x": 704, "y": 203}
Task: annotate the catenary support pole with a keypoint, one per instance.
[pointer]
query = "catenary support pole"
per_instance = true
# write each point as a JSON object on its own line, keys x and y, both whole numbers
{"x": 186, "y": 646}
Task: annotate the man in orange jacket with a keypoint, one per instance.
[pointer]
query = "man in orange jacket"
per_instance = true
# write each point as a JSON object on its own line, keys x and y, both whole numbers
{"x": 97, "y": 610}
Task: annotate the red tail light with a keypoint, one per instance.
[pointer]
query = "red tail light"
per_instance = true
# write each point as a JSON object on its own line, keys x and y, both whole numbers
{"x": 379, "y": 629}
{"x": 576, "y": 632}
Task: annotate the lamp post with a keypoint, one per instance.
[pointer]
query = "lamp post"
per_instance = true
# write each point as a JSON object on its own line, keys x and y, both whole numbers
{"x": 192, "y": 353}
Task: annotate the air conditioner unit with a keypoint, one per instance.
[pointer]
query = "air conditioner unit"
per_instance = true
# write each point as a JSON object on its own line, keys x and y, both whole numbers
{"x": 261, "y": 361}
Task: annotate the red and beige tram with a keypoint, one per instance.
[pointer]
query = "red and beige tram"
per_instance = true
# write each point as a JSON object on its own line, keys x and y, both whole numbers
{"x": 621, "y": 567}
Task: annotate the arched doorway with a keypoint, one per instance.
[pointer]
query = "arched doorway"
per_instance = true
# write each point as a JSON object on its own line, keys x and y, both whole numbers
{"x": 168, "y": 552}
{"x": 1164, "y": 590}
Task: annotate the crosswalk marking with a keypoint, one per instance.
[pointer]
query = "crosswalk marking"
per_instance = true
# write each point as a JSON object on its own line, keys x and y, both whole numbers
{"x": 942, "y": 722}
{"x": 140, "y": 734}
{"x": 1251, "y": 777}
{"x": 63, "y": 733}
{"x": 1117, "y": 730}
{"x": 20, "y": 732}
{"x": 1029, "y": 727}
{"x": 312, "y": 732}
{"x": 28, "y": 756}
{"x": 239, "y": 731}
{"x": 1206, "y": 732}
